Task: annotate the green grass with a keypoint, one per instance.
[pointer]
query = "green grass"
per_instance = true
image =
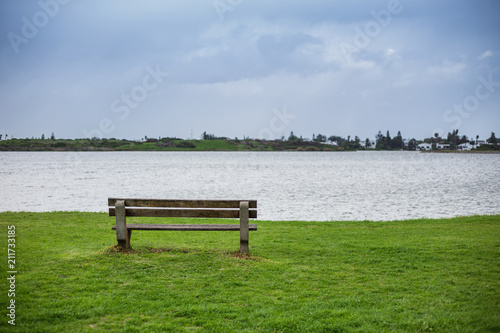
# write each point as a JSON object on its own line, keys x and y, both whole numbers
{"x": 403, "y": 276}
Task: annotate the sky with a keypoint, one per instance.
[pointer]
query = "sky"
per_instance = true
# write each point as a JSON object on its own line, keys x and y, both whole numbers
{"x": 249, "y": 68}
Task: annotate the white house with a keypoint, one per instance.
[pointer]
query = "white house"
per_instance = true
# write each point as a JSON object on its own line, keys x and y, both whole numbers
{"x": 442, "y": 146}
{"x": 471, "y": 145}
{"x": 424, "y": 146}
{"x": 480, "y": 142}
{"x": 465, "y": 146}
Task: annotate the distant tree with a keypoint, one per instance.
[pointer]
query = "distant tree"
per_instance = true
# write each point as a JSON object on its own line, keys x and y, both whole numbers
{"x": 348, "y": 144}
{"x": 206, "y": 136}
{"x": 388, "y": 140}
{"x": 452, "y": 139}
{"x": 368, "y": 143}
{"x": 380, "y": 141}
{"x": 43, "y": 136}
{"x": 0, "y": 136}
{"x": 52, "y": 136}
{"x": 319, "y": 138}
{"x": 292, "y": 137}
{"x": 435, "y": 140}
{"x": 397, "y": 141}
{"x": 412, "y": 144}
{"x": 335, "y": 138}
{"x": 492, "y": 140}
{"x": 380, "y": 137}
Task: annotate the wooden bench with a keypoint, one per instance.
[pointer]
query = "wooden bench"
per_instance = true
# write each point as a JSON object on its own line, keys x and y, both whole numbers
{"x": 228, "y": 209}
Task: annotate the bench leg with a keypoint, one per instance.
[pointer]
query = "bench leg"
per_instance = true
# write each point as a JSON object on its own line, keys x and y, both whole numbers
{"x": 129, "y": 235}
{"x": 244, "y": 232}
{"x": 122, "y": 234}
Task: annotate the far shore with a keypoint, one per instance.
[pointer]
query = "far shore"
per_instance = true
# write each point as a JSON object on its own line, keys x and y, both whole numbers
{"x": 176, "y": 144}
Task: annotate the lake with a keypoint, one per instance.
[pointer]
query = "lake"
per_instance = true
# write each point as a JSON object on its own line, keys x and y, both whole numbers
{"x": 320, "y": 186}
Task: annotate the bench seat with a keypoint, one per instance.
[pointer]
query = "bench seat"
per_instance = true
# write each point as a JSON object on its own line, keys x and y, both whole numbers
{"x": 188, "y": 227}
{"x": 206, "y": 209}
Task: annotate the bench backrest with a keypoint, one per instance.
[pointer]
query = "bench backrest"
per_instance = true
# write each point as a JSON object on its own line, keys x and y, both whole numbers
{"x": 229, "y": 209}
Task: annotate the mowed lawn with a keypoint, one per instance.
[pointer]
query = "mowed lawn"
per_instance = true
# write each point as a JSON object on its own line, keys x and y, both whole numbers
{"x": 403, "y": 276}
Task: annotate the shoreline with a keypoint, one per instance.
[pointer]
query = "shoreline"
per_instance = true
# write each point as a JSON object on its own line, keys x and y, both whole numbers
{"x": 461, "y": 151}
{"x": 176, "y": 144}
{"x": 317, "y": 150}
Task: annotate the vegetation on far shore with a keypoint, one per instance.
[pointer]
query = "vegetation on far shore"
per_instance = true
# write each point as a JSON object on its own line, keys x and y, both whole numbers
{"x": 427, "y": 275}
{"x": 164, "y": 144}
{"x": 210, "y": 142}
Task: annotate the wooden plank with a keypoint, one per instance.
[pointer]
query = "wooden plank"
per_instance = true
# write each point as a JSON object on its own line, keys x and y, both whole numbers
{"x": 188, "y": 227}
{"x": 131, "y": 202}
{"x": 194, "y": 213}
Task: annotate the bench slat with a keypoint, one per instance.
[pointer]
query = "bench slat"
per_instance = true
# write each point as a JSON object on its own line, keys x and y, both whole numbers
{"x": 182, "y": 203}
{"x": 204, "y": 213}
{"x": 188, "y": 227}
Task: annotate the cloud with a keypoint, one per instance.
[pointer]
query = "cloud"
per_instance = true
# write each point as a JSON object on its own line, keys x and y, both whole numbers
{"x": 486, "y": 54}
{"x": 448, "y": 69}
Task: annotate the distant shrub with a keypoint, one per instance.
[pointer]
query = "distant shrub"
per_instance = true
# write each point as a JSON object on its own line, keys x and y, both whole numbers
{"x": 487, "y": 147}
{"x": 185, "y": 144}
{"x": 59, "y": 144}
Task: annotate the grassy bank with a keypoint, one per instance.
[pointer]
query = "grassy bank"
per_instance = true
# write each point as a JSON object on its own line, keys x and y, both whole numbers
{"x": 165, "y": 144}
{"x": 405, "y": 276}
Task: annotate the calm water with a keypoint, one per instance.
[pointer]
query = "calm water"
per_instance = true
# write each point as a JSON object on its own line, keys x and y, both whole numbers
{"x": 288, "y": 186}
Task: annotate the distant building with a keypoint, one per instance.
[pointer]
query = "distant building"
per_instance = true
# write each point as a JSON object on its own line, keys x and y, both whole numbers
{"x": 481, "y": 142}
{"x": 424, "y": 146}
{"x": 465, "y": 146}
{"x": 442, "y": 146}
{"x": 471, "y": 145}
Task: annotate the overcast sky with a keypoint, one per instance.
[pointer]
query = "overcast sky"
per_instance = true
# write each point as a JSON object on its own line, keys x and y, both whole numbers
{"x": 258, "y": 68}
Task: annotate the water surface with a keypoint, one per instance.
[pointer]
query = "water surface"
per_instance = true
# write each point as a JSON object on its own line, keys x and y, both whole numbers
{"x": 317, "y": 186}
